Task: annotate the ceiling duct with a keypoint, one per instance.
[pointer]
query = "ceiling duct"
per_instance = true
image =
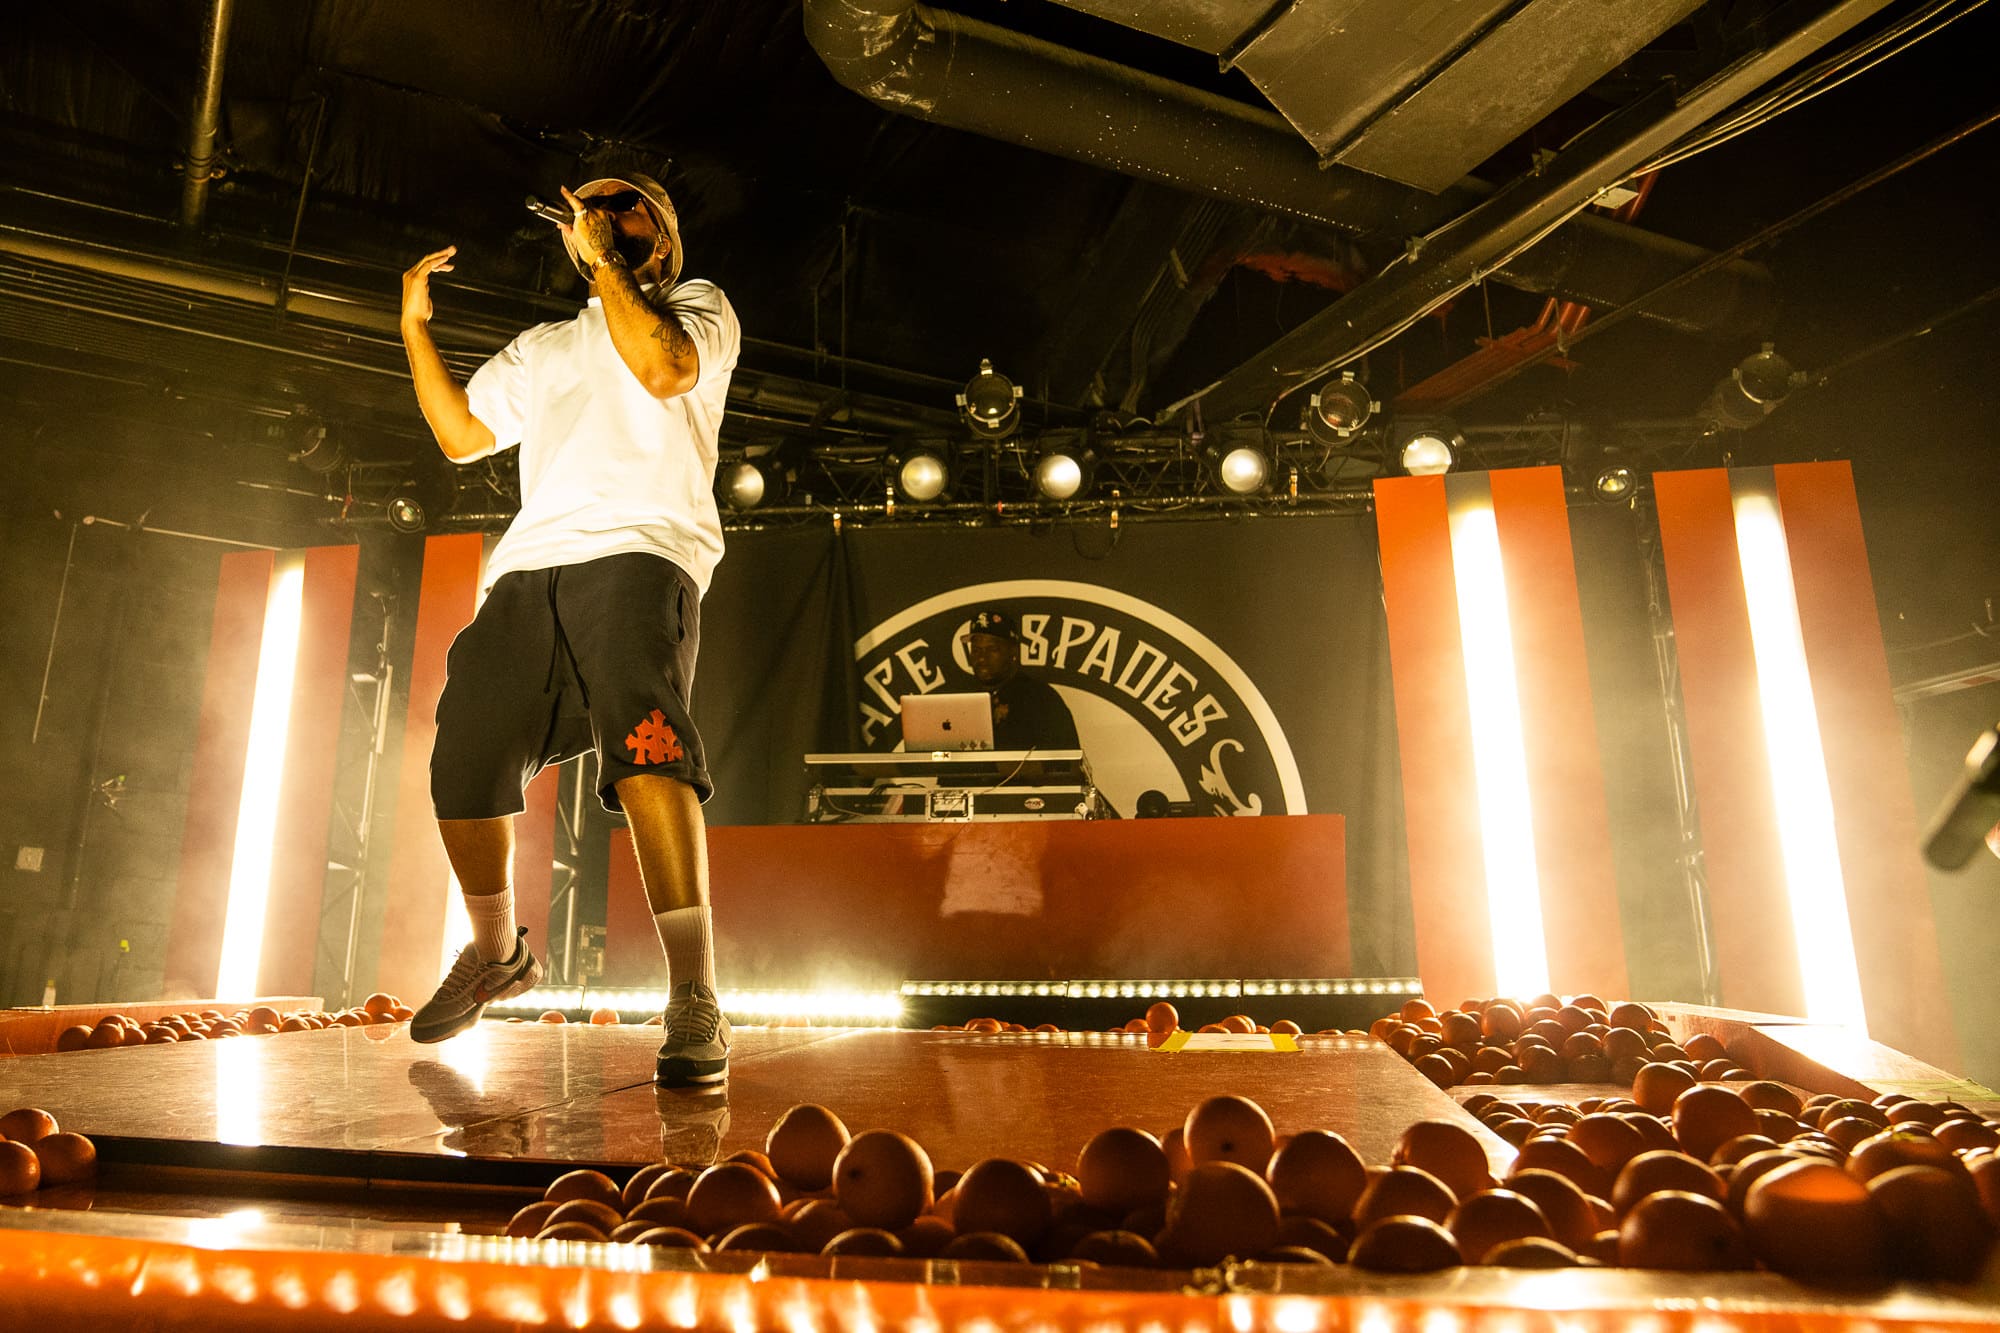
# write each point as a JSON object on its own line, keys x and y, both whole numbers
{"x": 950, "y": 70}
{"x": 1512, "y": 221}
{"x": 1418, "y": 91}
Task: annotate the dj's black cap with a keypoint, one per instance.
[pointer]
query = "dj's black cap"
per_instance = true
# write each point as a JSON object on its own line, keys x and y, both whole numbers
{"x": 996, "y": 622}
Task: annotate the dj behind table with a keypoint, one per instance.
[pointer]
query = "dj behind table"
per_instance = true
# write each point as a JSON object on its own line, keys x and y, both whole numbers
{"x": 1006, "y": 751}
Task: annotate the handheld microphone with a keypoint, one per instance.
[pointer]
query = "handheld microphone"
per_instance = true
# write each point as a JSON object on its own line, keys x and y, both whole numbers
{"x": 1971, "y": 809}
{"x": 562, "y": 217}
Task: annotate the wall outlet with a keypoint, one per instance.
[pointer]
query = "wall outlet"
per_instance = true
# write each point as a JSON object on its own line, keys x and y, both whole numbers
{"x": 28, "y": 858}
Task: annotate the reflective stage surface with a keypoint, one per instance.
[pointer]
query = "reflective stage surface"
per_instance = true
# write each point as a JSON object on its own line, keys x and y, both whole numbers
{"x": 370, "y": 1103}
{"x": 342, "y": 1178}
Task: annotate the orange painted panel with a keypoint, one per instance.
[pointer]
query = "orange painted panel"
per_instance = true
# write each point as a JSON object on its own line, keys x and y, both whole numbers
{"x": 871, "y": 905}
{"x": 419, "y": 875}
{"x": 1755, "y": 955}
{"x": 1875, "y": 818}
{"x": 1433, "y": 730}
{"x": 632, "y": 953}
{"x": 1580, "y": 919}
{"x": 305, "y": 802}
{"x": 215, "y": 786}
{"x": 535, "y": 855}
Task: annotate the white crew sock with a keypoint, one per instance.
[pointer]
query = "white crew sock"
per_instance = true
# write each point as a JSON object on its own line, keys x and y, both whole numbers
{"x": 492, "y": 916}
{"x": 687, "y": 934}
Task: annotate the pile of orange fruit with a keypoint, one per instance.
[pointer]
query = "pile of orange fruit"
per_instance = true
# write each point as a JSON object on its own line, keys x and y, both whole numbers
{"x": 1704, "y": 1167}
{"x": 1718, "y": 1178}
{"x": 1160, "y": 1021}
{"x": 1542, "y": 1040}
{"x": 1709, "y": 1183}
{"x": 35, "y": 1152}
{"x": 209, "y": 1024}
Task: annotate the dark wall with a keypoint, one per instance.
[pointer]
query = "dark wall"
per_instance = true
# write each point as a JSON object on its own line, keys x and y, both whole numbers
{"x": 1920, "y": 422}
{"x": 1620, "y": 586}
{"x": 117, "y": 621}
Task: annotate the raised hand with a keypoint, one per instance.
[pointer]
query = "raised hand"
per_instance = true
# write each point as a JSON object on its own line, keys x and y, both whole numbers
{"x": 593, "y": 230}
{"x": 417, "y": 284}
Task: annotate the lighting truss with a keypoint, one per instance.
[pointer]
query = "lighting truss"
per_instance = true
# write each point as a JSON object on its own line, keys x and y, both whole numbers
{"x": 1139, "y": 473}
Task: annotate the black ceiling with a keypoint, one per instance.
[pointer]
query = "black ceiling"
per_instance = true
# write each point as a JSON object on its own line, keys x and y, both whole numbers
{"x": 869, "y": 250}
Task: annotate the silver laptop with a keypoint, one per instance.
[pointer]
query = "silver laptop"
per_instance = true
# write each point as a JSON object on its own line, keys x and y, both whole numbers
{"x": 947, "y": 722}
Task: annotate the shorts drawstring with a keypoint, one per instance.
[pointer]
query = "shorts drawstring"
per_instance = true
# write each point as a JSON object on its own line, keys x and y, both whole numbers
{"x": 561, "y": 647}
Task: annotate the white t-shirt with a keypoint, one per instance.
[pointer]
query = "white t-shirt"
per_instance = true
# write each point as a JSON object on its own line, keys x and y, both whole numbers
{"x": 605, "y": 466}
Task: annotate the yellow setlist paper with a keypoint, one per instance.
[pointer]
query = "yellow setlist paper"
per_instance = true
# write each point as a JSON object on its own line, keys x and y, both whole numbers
{"x": 1183, "y": 1040}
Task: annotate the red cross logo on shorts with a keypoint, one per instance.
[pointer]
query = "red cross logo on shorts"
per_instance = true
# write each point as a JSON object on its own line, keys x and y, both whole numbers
{"x": 653, "y": 741}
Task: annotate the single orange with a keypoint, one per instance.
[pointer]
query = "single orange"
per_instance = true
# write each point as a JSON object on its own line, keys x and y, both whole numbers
{"x": 1123, "y": 1169}
{"x": 883, "y": 1179}
{"x": 1228, "y": 1128}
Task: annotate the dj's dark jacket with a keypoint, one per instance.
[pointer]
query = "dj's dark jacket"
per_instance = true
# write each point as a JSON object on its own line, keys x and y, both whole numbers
{"x": 1028, "y": 714}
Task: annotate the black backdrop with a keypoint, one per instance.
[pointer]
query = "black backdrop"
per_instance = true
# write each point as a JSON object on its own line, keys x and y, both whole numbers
{"x": 1294, "y": 603}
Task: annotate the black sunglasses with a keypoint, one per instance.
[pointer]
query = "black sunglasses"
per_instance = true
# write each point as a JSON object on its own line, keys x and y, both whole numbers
{"x": 623, "y": 201}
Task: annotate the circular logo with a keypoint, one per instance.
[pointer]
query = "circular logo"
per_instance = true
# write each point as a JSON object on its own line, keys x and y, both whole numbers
{"x": 1162, "y": 712}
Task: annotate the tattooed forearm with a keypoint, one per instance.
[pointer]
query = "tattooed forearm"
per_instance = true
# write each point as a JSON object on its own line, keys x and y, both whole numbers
{"x": 649, "y": 339}
{"x": 672, "y": 337}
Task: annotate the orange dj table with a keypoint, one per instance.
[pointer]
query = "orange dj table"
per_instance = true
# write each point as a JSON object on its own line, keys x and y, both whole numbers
{"x": 873, "y": 905}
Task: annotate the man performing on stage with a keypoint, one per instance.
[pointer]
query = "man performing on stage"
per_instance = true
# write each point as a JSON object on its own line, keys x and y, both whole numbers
{"x": 587, "y": 637}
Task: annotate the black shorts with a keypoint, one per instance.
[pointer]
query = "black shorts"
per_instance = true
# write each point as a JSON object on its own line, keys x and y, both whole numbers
{"x": 560, "y": 662}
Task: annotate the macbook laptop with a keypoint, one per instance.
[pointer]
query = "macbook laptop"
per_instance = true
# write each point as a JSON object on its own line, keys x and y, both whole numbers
{"x": 947, "y": 722}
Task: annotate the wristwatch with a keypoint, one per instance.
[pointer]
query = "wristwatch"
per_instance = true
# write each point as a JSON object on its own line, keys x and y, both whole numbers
{"x": 609, "y": 259}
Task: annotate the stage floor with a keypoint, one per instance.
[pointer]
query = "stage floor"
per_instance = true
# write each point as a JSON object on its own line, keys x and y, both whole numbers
{"x": 508, "y": 1103}
{"x": 284, "y": 1181}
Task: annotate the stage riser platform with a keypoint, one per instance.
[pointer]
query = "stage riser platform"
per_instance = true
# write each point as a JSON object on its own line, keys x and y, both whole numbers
{"x": 513, "y": 1103}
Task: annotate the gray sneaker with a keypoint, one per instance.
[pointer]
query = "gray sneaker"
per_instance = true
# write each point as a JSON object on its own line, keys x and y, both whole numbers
{"x": 697, "y": 1046}
{"x": 472, "y": 984}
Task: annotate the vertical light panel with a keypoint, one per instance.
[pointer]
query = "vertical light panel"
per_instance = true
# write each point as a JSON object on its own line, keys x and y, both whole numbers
{"x": 1581, "y": 920}
{"x": 1512, "y": 878}
{"x": 312, "y": 748}
{"x": 263, "y": 768}
{"x": 457, "y": 923}
{"x": 1742, "y": 862}
{"x": 215, "y": 779}
{"x": 1802, "y": 795}
{"x": 1874, "y": 812}
{"x": 1440, "y": 799}
{"x": 1499, "y": 758}
{"x": 419, "y": 876}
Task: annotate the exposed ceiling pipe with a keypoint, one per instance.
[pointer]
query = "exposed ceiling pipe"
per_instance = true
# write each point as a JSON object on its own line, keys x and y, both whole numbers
{"x": 950, "y": 70}
{"x": 211, "y": 302}
{"x": 955, "y": 71}
{"x": 199, "y": 166}
{"x": 1617, "y": 146}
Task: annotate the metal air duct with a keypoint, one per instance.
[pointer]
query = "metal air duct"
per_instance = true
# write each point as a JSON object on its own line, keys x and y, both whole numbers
{"x": 950, "y": 70}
